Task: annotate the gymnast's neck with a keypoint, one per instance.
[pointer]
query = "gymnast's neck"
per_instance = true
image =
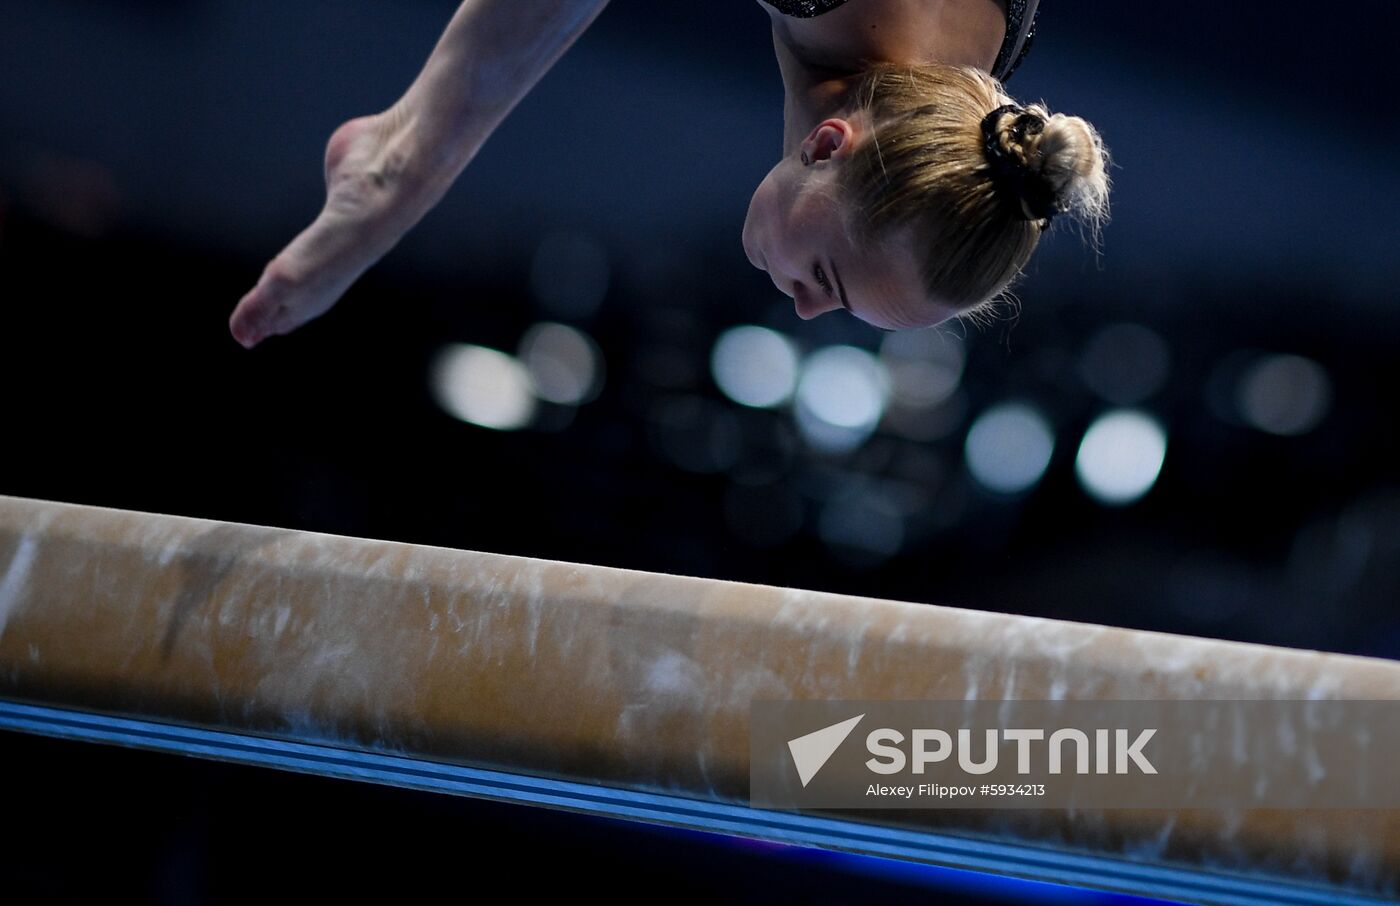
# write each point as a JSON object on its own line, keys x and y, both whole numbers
{"x": 821, "y": 58}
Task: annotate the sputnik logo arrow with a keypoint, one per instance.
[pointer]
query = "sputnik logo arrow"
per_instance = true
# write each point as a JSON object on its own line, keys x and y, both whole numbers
{"x": 812, "y": 751}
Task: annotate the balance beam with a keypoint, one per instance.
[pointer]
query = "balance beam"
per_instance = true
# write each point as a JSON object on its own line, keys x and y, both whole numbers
{"x": 617, "y": 692}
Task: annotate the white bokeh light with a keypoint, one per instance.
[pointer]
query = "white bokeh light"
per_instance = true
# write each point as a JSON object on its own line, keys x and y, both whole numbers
{"x": 754, "y": 366}
{"x": 841, "y": 397}
{"x": 564, "y": 363}
{"x": 483, "y": 387}
{"x": 1121, "y": 456}
{"x": 843, "y": 386}
{"x": 1008, "y": 448}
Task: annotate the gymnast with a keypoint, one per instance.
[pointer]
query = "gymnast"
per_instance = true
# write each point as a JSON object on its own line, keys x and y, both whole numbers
{"x": 911, "y": 188}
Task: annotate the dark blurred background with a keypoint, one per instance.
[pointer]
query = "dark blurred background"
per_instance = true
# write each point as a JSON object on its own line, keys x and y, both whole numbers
{"x": 1192, "y": 430}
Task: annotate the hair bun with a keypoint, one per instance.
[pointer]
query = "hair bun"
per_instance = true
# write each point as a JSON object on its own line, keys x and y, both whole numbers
{"x": 1045, "y": 164}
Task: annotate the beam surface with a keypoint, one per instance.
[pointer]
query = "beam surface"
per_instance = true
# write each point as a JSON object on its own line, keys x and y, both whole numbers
{"x": 616, "y": 691}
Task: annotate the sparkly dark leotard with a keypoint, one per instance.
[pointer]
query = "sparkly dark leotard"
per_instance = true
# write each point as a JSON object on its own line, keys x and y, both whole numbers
{"x": 1020, "y": 27}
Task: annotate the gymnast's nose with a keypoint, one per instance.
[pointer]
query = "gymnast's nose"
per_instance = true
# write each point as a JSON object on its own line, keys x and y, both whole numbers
{"x": 810, "y": 303}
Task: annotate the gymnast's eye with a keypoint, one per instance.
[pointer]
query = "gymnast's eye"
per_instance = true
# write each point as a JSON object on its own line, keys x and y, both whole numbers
{"x": 820, "y": 276}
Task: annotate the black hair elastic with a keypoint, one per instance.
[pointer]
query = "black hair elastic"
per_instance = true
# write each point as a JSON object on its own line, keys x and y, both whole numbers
{"x": 1028, "y": 195}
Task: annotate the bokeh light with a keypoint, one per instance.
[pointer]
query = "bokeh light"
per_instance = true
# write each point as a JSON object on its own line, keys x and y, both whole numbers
{"x": 841, "y": 396}
{"x": 1008, "y": 448}
{"x": 564, "y": 363}
{"x": 1121, "y": 456}
{"x": 1125, "y": 363}
{"x": 925, "y": 366}
{"x": 1284, "y": 394}
{"x": 696, "y": 434}
{"x": 483, "y": 387}
{"x": 862, "y": 525}
{"x": 755, "y": 366}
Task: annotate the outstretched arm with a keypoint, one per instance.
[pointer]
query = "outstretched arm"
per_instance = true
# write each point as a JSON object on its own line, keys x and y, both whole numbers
{"x": 384, "y": 172}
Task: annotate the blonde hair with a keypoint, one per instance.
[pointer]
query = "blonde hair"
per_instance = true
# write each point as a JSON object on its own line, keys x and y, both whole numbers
{"x": 928, "y": 167}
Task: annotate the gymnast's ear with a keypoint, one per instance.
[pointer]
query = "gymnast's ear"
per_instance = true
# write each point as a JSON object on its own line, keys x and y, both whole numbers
{"x": 832, "y": 138}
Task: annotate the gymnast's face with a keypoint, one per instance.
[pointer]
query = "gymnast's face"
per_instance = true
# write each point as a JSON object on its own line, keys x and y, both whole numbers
{"x": 795, "y": 230}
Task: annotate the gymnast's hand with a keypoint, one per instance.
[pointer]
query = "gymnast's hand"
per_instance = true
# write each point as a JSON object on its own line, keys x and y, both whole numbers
{"x": 372, "y": 199}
